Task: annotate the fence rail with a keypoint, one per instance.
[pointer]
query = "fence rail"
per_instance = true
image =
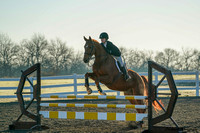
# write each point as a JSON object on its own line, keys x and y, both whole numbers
{"x": 75, "y": 84}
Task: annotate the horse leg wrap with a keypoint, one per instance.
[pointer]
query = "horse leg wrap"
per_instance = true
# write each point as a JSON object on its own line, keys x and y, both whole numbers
{"x": 86, "y": 82}
{"x": 99, "y": 88}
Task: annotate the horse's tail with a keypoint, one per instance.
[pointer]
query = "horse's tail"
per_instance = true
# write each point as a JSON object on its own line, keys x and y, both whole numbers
{"x": 153, "y": 97}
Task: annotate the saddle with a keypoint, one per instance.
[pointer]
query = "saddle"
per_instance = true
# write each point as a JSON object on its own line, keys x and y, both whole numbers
{"x": 122, "y": 70}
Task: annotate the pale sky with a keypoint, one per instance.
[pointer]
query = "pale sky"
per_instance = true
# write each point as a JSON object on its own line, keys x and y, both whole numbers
{"x": 141, "y": 24}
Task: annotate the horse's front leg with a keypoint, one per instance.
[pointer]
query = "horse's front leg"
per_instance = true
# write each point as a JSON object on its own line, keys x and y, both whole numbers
{"x": 99, "y": 87}
{"x": 87, "y": 85}
{"x": 104, "y": 78}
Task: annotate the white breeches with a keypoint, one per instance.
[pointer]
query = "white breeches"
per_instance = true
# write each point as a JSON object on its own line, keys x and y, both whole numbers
{"x": 119, "y": 58}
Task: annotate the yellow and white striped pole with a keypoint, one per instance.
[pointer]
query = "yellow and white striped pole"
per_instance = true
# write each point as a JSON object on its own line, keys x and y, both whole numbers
{"x": 94, "y": 115}
{"x": 93, "y": 105}
{"x": 131, "y": 97}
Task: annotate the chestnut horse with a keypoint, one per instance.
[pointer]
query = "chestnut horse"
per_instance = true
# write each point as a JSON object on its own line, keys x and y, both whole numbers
{"x": 106, "y": 72}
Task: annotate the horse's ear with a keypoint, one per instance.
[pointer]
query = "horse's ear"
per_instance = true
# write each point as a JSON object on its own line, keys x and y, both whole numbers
{"x": 90, "y": 39}
{"x": 85, "y": 38}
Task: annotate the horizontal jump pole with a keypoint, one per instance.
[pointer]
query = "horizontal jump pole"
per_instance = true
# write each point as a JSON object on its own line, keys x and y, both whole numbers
{"x": 94, "y": 115}
{"x": 95, "y": 97}
{"x": 94, "y": 105}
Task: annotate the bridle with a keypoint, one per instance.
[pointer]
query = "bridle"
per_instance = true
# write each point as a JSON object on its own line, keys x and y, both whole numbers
{"x": 90, "y": 53}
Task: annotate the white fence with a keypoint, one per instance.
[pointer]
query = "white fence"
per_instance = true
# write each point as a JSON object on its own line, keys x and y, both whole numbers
{"x": 76, "y": 84}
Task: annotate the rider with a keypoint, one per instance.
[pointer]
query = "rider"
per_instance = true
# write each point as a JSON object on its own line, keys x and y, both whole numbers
{"x": 114, "y": 51}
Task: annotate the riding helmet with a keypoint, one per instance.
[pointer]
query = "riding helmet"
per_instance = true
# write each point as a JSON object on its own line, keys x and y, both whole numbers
{"x": 104, "y": 35}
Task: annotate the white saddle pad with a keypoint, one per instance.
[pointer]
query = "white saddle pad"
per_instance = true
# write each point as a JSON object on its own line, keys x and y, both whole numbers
{"x": 117, "y": 66}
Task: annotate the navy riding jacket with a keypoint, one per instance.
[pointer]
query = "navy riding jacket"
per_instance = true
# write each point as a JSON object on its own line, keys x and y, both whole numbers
{"x": 111, "y": 49}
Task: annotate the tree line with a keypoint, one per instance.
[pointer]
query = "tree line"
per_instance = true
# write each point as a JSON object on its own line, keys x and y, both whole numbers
{"x": 57, "y": 58}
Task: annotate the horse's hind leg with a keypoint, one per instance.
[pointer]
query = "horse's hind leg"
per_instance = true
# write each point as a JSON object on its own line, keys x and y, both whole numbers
{"x": 140, "y": 102}
{"x": 136, "y": 124}
{"x": 135, "y": 102}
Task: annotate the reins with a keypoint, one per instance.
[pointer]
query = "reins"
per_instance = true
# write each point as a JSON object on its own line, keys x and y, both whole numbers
{"x": 90, "y": 54}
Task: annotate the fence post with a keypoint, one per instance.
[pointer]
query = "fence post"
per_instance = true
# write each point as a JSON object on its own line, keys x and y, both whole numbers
{"x": 75, "y": 84}
{"x": 156, "y": 77}
{"x": 197, "y": 83}
{"x": 156, "y": 81}
{"x": 31, "y": 88}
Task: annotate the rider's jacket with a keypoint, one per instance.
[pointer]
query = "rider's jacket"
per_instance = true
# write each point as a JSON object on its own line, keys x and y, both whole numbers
{"x": 111, "y": 49}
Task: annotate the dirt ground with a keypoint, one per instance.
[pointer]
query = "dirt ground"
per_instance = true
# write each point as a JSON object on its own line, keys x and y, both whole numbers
{"x": 186, "y": 115}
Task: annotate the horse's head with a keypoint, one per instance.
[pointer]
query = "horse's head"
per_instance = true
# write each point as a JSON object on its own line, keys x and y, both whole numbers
{"x": 89, "y": 49}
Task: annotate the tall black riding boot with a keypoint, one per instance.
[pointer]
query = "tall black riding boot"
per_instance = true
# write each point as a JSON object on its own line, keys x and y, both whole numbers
{"x": 124, "y": 71}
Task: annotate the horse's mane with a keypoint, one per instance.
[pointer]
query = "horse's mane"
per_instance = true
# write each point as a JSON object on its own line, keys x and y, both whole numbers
{"x": 95, "y": 41}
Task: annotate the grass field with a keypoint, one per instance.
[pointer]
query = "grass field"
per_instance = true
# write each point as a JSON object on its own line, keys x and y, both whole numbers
{"x": 82, "y": 88}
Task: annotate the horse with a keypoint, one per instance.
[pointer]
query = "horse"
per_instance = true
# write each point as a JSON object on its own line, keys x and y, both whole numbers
{"x": 106, "y": 72}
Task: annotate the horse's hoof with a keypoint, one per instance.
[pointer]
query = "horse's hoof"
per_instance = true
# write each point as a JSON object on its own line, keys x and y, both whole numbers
{"x": 89, "y": 91}
{"x": 102, "y": 93}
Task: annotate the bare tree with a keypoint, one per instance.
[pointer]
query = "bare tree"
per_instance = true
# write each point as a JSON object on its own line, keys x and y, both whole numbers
{"x": 22, "y": 57}
{"x": 57, "y": 58}
{"x": 168, "y": 58}
{"x": 60, "y": 55}
{"x": 135, "y": 60}
{"x": 124, "y": 53}
{"x": 188, "y": 58}
{"x": 78, "y": 66}
{"x": 195, "y": 61}
{"x": 35, "y": 49}
{"x": 146, "y": 55}
{"x": 8, "y": 54}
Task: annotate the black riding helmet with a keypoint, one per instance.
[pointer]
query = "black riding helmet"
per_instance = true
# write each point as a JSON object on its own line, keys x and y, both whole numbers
{"x": 104, "y": 35}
